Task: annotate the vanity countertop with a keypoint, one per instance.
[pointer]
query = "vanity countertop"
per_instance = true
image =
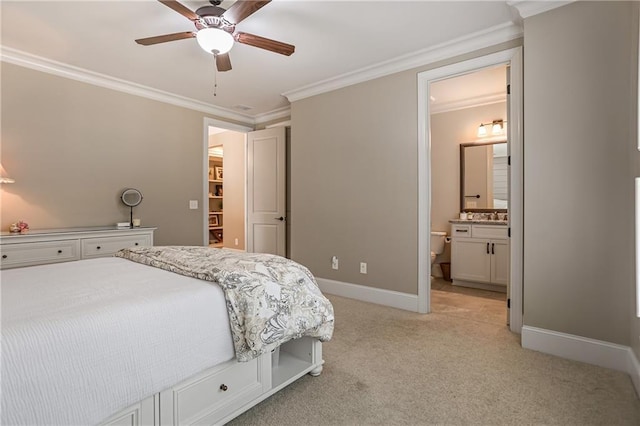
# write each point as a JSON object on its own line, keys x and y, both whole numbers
{"x": 479, "y": 222}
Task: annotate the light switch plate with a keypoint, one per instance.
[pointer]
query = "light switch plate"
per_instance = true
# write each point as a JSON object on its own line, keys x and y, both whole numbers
{"x": 193, "y": 204}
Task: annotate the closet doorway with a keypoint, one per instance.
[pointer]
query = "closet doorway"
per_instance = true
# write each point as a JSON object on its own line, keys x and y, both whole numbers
{"x": 245, "y": 183}
{"x": 225, "y": 204}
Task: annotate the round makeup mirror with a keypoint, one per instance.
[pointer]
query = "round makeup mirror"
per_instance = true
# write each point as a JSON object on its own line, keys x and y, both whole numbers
{"x": 131, "y": 197}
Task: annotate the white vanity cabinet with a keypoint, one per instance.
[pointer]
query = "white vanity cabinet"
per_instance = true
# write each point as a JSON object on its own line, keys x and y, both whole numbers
{"x": 480, "y": 256}
{"x": 44, "y": 246}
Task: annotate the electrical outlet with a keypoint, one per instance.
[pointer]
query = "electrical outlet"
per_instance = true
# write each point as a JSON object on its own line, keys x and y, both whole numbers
{"x": 334, "y": 262}
{"x": 193, "y": 204}
{"x": 363, "y": 268}
{"x": 236, "y": 241}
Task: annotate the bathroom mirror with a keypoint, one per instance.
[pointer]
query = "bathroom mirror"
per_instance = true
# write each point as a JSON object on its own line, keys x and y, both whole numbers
{"x": 484, "y": 183}
{"x": 131, "y": 197}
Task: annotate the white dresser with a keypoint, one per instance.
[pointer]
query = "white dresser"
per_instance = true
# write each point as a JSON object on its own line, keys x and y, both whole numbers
{"x": 43, "y": 246}
{"x": 480, "y": 256}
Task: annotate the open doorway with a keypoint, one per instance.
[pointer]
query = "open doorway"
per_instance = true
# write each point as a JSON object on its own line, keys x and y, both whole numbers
{"x": 470, "y": 192}
{"x": 224, "y": 184}
{"x": 226, "y": 189}
{"x": 512, "y": 58}
{"x": 244, "y": 188}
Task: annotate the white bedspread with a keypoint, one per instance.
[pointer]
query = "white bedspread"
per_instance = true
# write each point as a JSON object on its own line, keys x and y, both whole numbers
{"x": 83, "y": 340}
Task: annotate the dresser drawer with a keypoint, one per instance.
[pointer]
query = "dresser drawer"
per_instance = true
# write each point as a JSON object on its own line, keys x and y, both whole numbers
{"x": 461, "y": 231}
{"x": 28, "y": 254}
{"x": 107, "y": 246}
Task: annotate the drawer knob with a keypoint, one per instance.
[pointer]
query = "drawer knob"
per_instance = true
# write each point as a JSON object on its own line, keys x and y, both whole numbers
{"x": 59, "y": 251}
{"x": 98, "y": 248}
{"x": 136, "y": 243}
{"x": 223, "y": 387}
{"x": 4, "y": 256}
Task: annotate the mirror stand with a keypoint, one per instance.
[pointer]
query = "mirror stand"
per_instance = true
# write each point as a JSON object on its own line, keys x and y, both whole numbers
{"x": 131, "y": 197}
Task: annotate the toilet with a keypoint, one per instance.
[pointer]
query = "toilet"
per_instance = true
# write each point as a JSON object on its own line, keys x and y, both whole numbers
{"x": 437, "y": 244}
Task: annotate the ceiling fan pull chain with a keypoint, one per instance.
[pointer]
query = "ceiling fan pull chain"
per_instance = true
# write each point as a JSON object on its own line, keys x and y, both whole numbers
{"x": 215, "y": 75}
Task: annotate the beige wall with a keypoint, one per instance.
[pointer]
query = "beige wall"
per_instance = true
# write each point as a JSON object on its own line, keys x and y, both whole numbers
{"x": 234, "y": 184}
{"x": 354, "y": 180}
{"x": 448, "y": 131}
{"x": 73, "y": 147}
{"x": 634, "y": 155}
{"x": 578, "y": 266}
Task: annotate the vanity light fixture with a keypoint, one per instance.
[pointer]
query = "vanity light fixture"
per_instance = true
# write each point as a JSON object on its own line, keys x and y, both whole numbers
{"x": 497, "y": 127}
{"x": 3, "y": 176}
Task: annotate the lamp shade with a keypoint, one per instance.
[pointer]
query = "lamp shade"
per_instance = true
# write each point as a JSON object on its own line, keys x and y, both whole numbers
{"x": 3, "y": 176}
{"x": 482, "y": 131}
{"x": 215, "y": 40}
{"x": 496, "y": 129}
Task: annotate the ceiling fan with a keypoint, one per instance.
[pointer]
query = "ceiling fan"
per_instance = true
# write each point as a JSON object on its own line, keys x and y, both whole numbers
{"x": 216, "y": 30}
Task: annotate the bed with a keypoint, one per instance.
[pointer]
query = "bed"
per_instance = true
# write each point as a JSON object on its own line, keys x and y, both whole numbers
{"x": 157, "y": 335}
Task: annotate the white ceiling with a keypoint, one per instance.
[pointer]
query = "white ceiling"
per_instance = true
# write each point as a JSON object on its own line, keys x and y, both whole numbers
{"x": 331, "y": 39}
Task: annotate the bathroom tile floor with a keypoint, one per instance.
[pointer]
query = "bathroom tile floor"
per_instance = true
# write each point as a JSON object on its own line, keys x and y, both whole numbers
{"x": 469, "y": 303}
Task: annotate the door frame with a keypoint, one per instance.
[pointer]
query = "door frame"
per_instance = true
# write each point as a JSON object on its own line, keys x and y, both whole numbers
{"x": 513, "y": 58}
{"x": 212, "y": 122}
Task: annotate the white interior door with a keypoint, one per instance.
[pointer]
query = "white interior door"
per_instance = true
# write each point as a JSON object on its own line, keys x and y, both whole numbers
{"x": 266, "y": 191}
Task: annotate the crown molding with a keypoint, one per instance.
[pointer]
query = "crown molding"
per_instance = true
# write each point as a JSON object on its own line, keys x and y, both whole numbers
{"x": 38, "y": 63}
{"x": 477, "y": 101}
{"x": 527, "y": 8}
{"x": 469, "y": 43}
{"x": 283, "y": 112}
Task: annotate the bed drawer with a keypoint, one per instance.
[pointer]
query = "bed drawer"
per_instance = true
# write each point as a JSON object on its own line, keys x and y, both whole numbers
{"x": 28, "y": 254}
{"x": 107, "y": 246}
{"x": 218, "y": 392}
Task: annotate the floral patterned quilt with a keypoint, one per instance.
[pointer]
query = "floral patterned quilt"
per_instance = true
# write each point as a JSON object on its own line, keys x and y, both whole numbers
{"x": 270, "y": 299}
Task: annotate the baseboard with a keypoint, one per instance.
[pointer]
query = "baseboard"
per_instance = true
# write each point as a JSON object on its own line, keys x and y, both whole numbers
{"x": 583, "y": 349}
{"x": 393, "y": 299}
{"x": 633, "y": 367}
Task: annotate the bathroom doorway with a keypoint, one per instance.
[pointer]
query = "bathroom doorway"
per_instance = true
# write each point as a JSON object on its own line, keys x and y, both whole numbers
{"x": 469, "y": 175}
{"x": 462, "y": 114}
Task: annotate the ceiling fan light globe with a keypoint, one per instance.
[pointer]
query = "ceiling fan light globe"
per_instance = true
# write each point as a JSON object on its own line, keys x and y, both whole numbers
{"x": 215, "y": 40}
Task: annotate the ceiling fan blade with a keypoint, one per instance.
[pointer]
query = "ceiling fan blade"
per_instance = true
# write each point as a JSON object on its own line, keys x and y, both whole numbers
{"x": 182, "y": 10}
{"x": 265, "y": 43}
{"x": 242, "y": 9}
{"x": 223, "y": 62}
{"x": 165, "y": 38}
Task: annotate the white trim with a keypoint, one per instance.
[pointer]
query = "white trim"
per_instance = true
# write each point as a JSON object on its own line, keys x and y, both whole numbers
{"x": 286, "y": 123}
{"x": 469, "y": 43}
{"x": 514, "y": 58}
{"x": 393, "y": 299}
{"x": 583, "y": 349}
{"x": 516, "y": 191}
{"x": 424, "y": 196}
{"x": 27, "y": 60}
{"x": 493, "y": 98}
{"x": 633, "y": 368}
{"x": 528, "y": 8}
{"x": 275, "y": 114}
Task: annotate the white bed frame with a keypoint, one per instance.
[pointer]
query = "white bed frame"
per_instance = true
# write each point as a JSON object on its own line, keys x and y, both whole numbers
{"x": 225, "y": 391}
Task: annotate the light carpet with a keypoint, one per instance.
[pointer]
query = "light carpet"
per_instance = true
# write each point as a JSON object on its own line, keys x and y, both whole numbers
{"x": 386, "y": 366}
